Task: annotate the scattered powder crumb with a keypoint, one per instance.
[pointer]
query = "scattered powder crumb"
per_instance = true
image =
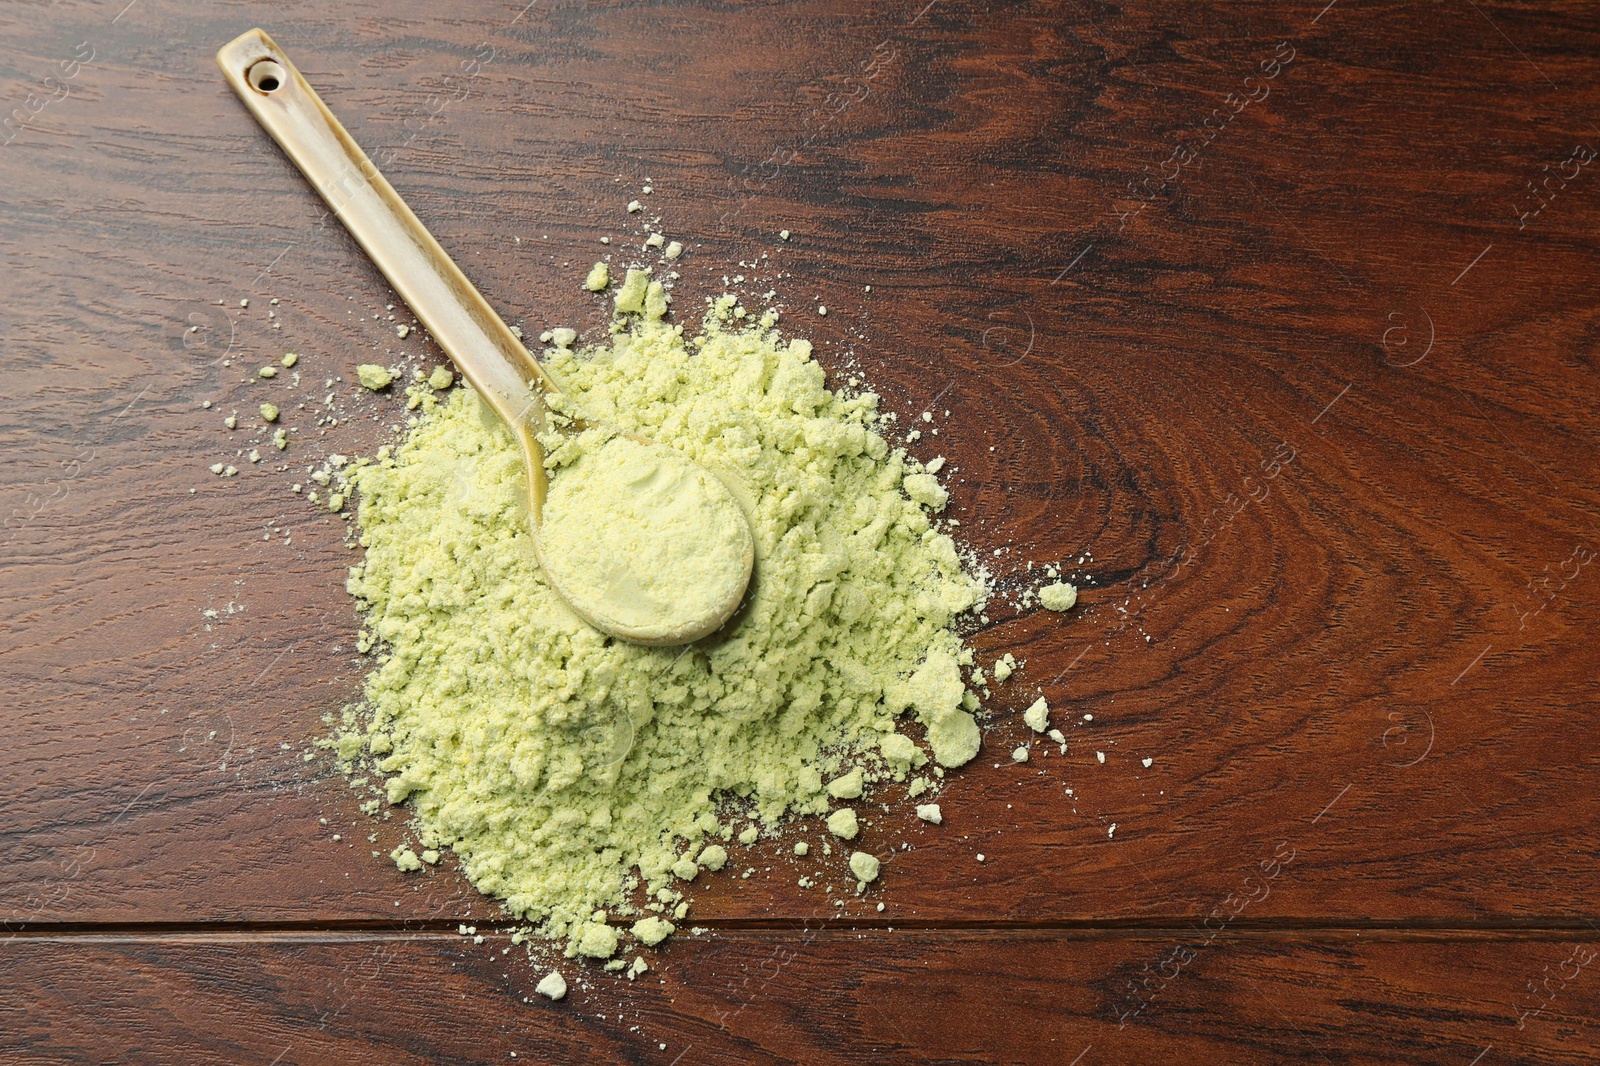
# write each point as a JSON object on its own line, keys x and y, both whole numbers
{"x": 1147, "y": 760}
{"x": 634, "y": 206}
{"x": 1099, "y": 756}
{"x": 1058, "y": 597}
{"x": 714, "y": 857}
{"x": 290, "y": 358}
{"x": 1004, "y": 667}
{"x": 563, "y": 337}
{"x": 802, "y": 848}
{"x": 402, "y": 331}
{"x": 441, "y": 378}
{"x": 231, "y": 422}
{"x": 1037, "y": 716}
{"x": 864, "y": 866}
{"x": 929, "y": 812}
{"x": 552, "y": 985}
{"x": 655, "y": 240}
{"x": 599, "y": 277}
{"x": 783, "y": 234}
{"x": 406, "y": 859}
{"x": 674, "y": 249}
{"x": 268, "y": 372}
{"x": 842, "y": 824}
{"x": 652, "y": 930}
{"x": 269, "y": 412}
{"x": 1020, "y": 754}
{"x": 373, "y": 376}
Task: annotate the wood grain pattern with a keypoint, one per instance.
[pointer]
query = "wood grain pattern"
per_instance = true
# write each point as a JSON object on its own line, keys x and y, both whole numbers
{"x": 1305, "y": 373}
{"x": 802, "y": 995}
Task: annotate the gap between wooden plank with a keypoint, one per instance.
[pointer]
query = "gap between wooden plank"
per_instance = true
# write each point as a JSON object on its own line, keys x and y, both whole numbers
{"x": 1564, "y": 929}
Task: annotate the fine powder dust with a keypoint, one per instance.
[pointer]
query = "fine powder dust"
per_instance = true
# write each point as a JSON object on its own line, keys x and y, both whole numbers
{"x": 579, "y": 777}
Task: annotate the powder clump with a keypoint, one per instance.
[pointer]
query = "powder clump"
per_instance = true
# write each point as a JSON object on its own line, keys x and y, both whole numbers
{"x": 596, "y": 940}
{"x": 1059, "y": 596}
{"x": 652, "y": 930}
{"x": 926, "y": 490}
{"x": 935, "y": 692}
{"x": 843, "y": 824}
{"x": 847, "y": 787}
{"x": 572, "y": 772}
{"x": 1005, "y": 666}
{"x": 373, "y": 376}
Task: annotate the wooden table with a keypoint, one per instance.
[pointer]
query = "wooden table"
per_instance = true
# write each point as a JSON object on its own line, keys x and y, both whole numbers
{"x": 1279, "y": 315}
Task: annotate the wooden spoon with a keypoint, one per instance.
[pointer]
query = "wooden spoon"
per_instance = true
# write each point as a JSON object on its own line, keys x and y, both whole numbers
{"x": 485, "y": 350}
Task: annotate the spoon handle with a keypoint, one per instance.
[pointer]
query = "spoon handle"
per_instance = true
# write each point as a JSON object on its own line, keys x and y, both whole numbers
{"x": 427, "y": 279}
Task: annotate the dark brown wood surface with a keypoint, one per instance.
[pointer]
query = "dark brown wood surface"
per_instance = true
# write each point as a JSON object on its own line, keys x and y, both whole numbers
{"x": 1280, "y": 316}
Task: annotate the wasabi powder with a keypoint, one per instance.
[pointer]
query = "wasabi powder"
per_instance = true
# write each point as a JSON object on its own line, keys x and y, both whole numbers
{"x": 573, "y": 774}
{"x": 640, "y": 539}
{"x": 1059, "y": 596}
{"x": 371, "y": 376}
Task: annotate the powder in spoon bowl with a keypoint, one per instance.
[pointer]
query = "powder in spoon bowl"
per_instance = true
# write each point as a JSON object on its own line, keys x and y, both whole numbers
{"x": 641, "y": 540}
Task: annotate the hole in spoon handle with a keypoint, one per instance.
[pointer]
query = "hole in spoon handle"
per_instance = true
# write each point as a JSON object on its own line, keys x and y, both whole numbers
{"x": 266, "y": 76}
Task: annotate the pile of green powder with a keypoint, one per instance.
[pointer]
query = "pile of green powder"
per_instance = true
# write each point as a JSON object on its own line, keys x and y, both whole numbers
{"x": 579, "y": 777}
